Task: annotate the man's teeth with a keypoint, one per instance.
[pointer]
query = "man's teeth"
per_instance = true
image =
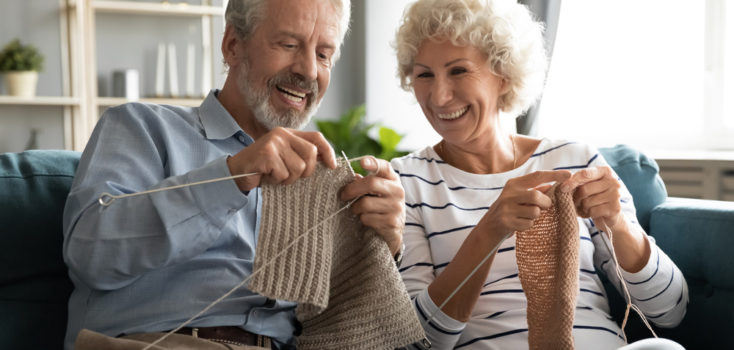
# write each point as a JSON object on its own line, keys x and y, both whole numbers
{"x": 453, "y": 115}
{"x": 292, "y": 95}
{"x": 293, "y": 98}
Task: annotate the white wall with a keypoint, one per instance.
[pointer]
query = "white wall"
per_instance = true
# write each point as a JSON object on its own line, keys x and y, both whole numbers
{"x": 347, "y": 87}
{"x": 387, "y": 103}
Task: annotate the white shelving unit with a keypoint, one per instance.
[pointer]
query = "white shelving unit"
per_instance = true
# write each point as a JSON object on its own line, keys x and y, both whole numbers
{"x": 81, "y": 103}
{"x": 163, "y": 8}
{"x": 39, "y": 101}
{"x": 114, "y": 101}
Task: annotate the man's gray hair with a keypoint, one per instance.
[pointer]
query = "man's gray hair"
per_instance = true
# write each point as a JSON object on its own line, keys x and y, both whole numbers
{"x": 245, "y": 15}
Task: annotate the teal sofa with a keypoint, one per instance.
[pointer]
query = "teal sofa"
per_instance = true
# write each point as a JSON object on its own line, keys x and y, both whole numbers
{"x": 34, "y": 286}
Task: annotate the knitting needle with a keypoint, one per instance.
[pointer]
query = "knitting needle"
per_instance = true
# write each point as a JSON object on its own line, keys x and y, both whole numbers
{"x": 105, "y": 199}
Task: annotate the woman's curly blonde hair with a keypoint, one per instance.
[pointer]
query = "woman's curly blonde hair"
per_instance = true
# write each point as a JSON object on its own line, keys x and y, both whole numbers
{"x": 501, "y": 29}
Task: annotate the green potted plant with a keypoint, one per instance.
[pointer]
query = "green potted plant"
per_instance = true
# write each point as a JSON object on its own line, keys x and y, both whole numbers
{"x": 20, "y": 65}
{"x": 351, "y": 134}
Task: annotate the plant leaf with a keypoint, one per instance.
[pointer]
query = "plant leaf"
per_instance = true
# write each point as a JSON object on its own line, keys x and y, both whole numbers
{"x": 389, "y": 139}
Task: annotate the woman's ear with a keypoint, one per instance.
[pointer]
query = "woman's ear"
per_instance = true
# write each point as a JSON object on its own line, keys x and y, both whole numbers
{"x": 229, "y": 45}
{"x": 504, "y": 86}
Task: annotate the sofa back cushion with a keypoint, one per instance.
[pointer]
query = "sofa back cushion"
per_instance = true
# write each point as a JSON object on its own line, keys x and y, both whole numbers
{"x": 34, "y": 283}
{"x": 640, "y": 174}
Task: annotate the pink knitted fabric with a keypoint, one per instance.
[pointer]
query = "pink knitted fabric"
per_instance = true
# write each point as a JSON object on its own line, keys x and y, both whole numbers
{"x": 548, "y": 260}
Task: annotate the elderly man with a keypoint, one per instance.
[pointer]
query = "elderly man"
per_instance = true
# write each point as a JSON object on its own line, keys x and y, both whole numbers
{"x": 149, "y": 262}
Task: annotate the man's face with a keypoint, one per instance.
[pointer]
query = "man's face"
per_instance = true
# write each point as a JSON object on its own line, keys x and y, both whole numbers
{"x": 287, "y": 61}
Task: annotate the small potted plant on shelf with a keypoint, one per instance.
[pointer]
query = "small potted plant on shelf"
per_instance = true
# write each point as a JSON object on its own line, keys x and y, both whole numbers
{"x": 20, "y": 65}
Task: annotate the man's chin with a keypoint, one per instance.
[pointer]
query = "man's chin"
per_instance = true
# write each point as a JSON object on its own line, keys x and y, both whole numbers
{"x": 270, "y": 120}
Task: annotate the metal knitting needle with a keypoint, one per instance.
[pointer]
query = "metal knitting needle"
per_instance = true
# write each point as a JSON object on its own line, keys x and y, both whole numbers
{"x": 105, "y": 199}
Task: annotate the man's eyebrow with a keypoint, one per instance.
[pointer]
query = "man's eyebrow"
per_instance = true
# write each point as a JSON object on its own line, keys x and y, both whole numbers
{"x": 301, "y": 37}
{"x": 293, "y": 35}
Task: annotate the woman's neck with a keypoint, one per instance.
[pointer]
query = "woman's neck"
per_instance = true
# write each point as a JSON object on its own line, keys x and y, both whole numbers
{"x": 489, "y": 154}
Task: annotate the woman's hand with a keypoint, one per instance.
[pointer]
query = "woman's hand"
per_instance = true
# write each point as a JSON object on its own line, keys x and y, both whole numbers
{"x": 521, "y": 201}
{"x": 596, "y": 196}
{"x": 382, "y": 206}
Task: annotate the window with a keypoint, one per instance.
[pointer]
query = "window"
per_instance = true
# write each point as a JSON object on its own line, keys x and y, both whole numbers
{"x": 652, "y": 74}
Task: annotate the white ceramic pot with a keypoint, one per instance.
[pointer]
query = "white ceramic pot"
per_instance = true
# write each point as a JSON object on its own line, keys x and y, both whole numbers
{"x": 21, "y": 84}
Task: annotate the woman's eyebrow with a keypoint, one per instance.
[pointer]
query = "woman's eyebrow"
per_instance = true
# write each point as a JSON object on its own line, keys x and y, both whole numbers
{"x": 445, "y": 65}
{"x": 455, "y": 61}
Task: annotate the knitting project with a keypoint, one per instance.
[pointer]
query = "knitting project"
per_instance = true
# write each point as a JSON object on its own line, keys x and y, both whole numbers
{"x": 349, "y": 291}
{"x": 548, "y": 261}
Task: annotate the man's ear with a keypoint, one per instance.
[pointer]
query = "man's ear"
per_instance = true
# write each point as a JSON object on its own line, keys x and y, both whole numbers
{"x": 229, "y": 46}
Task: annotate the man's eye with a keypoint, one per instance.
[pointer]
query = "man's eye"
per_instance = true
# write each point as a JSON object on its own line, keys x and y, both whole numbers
{"x": 289, "y": 46}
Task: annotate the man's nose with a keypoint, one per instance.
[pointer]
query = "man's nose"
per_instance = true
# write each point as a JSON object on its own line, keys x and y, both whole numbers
{"x": 306, "y": 66}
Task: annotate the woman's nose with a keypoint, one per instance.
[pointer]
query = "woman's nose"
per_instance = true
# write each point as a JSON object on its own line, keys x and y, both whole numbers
{"x": 442, "y": 92}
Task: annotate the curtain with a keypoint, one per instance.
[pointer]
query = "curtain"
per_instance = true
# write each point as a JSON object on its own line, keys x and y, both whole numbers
{"x": 546, "y": 11}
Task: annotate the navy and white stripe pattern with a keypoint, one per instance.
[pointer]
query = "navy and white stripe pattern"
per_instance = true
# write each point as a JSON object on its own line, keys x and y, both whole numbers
{"x": 442, "y": 206}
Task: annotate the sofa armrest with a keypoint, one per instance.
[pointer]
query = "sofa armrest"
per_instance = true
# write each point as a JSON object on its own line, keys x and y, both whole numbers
{"x": 698, "y": 235}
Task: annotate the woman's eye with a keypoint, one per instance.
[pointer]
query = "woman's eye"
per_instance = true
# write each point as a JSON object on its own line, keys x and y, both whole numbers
{"x": 425, "y": 75}
{"x": 456, "y": 71}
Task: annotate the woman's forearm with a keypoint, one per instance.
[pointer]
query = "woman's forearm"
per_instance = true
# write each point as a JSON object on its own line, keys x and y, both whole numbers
{"x": 475, "y": 248}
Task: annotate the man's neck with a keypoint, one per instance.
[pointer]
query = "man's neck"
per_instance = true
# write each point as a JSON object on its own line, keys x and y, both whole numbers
{"x": 240, "y": 111}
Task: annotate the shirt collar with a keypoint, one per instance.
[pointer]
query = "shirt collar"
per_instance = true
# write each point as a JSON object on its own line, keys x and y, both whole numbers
{"x": 217, "y": 122}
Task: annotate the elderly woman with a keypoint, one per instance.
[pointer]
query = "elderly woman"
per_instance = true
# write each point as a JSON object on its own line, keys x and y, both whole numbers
{"x": 467, "y": 61}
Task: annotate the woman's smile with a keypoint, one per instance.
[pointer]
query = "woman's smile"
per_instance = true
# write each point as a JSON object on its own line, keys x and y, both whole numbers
{"x": 453, "y": 115}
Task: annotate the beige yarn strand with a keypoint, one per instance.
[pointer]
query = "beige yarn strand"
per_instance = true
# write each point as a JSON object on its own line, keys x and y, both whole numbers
{"x": 628, "y": 298}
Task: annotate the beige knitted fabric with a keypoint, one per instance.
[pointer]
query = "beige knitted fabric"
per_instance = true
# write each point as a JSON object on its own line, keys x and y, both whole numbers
{"x": 349, "y": 291}
{"x": 548, "y": 260}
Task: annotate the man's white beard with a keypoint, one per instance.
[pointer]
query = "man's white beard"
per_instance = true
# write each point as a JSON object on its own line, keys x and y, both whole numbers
{"x": 264, "y": 111}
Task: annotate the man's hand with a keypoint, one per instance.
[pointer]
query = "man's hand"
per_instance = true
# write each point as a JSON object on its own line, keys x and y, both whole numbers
{"x": 281, "y": 156}
{"x": 382, "y": 206}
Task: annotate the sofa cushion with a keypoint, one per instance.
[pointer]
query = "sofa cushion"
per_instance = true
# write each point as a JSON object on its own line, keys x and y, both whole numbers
{"x": 34, "y": 283}
{"x": 640, "y": 174}
{"x": 699, "y": 235}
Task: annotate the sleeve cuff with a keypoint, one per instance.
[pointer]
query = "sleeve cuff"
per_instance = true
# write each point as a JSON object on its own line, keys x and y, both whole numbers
{"x": 440, "y": 321}
{"x": 649, "y": 270}
{"x": 219, "y": 198}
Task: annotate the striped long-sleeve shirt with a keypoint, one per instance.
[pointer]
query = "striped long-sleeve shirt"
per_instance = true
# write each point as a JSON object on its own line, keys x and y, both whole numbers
{"x": 443, "y": 205}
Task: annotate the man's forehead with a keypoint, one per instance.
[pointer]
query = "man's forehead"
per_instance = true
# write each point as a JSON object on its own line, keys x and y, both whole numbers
{"x": 304, "y": 18}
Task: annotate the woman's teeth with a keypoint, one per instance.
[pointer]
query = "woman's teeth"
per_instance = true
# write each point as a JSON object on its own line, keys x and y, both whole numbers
{"x": 454, "y": 115}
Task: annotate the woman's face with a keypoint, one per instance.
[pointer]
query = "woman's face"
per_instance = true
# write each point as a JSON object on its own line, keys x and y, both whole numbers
{"x": 456, "y": 90}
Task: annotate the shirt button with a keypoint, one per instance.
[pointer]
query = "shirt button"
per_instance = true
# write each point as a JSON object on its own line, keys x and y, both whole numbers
{"x": 241, "y": 138}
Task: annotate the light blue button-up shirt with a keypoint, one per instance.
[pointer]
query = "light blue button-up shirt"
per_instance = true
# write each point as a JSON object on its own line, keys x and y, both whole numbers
{"x": 148, "y": 263}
